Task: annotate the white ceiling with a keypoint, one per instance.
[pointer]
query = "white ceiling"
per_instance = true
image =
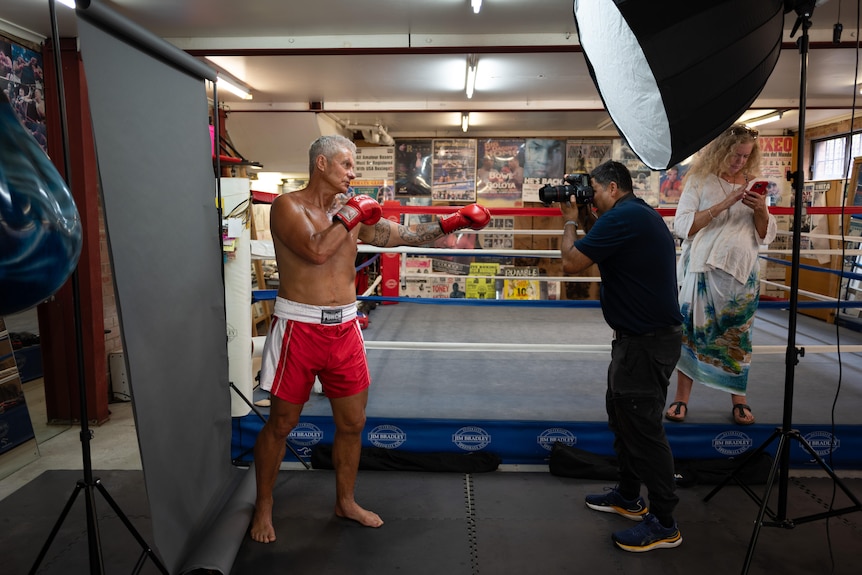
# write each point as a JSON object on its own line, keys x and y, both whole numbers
{"x": 401, "y": 64}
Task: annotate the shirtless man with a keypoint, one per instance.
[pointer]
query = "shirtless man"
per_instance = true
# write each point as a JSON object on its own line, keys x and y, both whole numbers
{"x": 314, "y": 330}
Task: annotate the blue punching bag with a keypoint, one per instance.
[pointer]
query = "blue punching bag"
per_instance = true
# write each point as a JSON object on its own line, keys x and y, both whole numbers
{"x": 40, "y": 229}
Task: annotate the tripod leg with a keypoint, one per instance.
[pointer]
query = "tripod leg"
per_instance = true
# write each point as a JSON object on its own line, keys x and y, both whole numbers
{"x": 763, "y": 504}
{"x": 94, "y": 539}
{"x": 56, "y": 529}
{"x": 794, "y": 434}
{"x": 148, "y": 551}
{"x": 750, "y": 458}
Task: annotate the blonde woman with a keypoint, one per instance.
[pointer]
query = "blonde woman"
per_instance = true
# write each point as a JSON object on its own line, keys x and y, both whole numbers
{"x": 722, "y": 224}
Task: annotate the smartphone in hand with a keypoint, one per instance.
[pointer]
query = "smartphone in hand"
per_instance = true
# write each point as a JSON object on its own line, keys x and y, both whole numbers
{"x": 759, "y": 187}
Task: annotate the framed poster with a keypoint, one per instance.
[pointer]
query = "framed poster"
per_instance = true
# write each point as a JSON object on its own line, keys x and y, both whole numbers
{"x": 500, "y": 175}
{"x": 413, "y": 167}
{"x": 375, "y": 172}
{"x": 22, "y": 80}
{"x": 854, "y": 191}
{"x": 544, "y": 163}
{"x": 453, "y": 170}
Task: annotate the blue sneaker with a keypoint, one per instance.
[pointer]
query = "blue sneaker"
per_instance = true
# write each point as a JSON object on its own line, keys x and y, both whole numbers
{"x": 648, "y": 535}
{"x": 612, "y": 502}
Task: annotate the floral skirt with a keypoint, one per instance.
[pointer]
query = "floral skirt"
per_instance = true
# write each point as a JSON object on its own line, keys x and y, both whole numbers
{"x": 718, "y": 314}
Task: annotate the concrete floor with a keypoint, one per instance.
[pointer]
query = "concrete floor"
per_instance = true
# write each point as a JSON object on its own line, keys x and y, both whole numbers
{"x": 114, "y": 445}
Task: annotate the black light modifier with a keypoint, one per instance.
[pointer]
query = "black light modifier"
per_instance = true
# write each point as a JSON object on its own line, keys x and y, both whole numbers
{"x": 674, "y": 74}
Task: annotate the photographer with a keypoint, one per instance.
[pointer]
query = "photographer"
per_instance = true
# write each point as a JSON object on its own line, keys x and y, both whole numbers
{"x": 636, "y": 255}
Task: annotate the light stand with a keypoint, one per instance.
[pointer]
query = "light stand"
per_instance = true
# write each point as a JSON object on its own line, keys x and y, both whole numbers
{"x": 88, "y": 484}
{"x": 785, "y": 433}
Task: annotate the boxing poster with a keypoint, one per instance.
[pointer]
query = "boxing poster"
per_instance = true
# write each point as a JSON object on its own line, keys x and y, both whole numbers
{"x": 583, "y": 156}
{"x": 412, "y": 168}
{"x": 375, "y": 172}
{"x": 500, "y": 175}
{"x": 777, "y": 158}
{"x": 521, "y": 282}
{"x": 22, "y": 79}
{"x": 644, "y": 180}
{"x": 415, "y": 277}
{"x": 499, "y": 234}
{"x": 670, "y": 185}
{"x": 544, "y": 163}
{"x": 453, "y": 170}
{"x": 481, "y": 283}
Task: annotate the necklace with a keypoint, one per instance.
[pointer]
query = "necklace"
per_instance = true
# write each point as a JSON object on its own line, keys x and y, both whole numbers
{"x": 721, "y": 183}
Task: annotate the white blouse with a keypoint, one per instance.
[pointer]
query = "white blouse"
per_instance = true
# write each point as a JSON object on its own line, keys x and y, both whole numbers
{"x": 729, "y": 242}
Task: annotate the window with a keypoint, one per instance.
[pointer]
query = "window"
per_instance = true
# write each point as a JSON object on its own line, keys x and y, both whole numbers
{"x": 830, "y": 157}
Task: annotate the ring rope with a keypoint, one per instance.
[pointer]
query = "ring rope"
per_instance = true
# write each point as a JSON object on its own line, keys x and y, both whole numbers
{"x": 840, "y": 273}
{"x": 573, "y": 279}
{"x": 427, "y": 250}
{"x": 368, "y": 263}
{"x": 411, "y": 250}
{"x": 586, "y": 303}
{"x": 565, "y": 348}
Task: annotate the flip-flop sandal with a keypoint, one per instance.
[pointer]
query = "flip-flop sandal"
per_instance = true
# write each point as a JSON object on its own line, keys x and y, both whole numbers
{"x": 677, "y": 413}
{"x": 739, "y": 414}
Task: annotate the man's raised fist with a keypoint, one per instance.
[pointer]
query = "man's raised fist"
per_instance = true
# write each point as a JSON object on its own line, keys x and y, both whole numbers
{"x": 473, "y": 216}
{"x": 358, "y": 209}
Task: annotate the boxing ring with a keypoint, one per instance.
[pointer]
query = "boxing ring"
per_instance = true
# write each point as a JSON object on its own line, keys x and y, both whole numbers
{"x": 461, "y": 375}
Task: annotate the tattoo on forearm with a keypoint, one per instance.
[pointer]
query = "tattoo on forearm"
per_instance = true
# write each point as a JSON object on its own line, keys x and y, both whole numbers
{"x": 420, "y": 234}
{"x": 381, "y": 234}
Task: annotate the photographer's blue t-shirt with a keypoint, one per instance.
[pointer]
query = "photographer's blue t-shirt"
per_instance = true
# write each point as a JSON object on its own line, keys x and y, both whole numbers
{"x": 636, "y": 255}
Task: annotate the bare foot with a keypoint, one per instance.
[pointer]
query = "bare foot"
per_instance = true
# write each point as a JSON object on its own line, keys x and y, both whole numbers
{"x": 358, "y": 514}
{"x": 262, "y": 530}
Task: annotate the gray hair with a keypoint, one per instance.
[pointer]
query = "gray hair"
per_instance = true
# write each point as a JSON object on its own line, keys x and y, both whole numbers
{"x": 328, "y": 146}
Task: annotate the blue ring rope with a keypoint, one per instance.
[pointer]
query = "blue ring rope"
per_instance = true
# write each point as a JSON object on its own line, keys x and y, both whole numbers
{"x": 839, "y": 273}
{"x": 368, "y": 263}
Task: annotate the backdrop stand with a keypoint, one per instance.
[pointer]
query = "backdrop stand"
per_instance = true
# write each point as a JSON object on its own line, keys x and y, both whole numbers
{"x": 88, "y": 484}
{"x": 785, "y": 434}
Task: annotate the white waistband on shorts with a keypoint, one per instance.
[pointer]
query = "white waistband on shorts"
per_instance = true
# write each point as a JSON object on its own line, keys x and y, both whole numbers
{"x": 305, "y": 313}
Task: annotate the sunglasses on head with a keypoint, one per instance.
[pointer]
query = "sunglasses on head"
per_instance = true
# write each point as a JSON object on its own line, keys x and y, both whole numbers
{"x": 742, "y": 130}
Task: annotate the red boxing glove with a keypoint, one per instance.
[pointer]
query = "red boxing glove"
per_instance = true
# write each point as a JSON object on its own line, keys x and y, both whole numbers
{"x": 473, "y": 216}
{"x": 359, "y": 208}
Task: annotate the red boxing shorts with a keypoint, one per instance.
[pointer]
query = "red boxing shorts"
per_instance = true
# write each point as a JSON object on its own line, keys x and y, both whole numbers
{"x": 307, "y": 341}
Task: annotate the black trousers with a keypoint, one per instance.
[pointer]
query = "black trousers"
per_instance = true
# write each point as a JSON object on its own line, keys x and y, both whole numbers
{"x": 638, "y": 378}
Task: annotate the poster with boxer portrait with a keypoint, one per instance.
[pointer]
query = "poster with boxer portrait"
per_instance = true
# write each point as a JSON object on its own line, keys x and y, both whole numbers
{"x": 500, "y": 175}
{"x": 544, "y": 163}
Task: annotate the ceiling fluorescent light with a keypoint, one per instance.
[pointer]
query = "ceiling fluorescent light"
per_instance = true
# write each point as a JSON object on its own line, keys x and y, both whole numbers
{"x": 465, "y": 121}
{"x": 472, "y": 64}
{"x": 69, "y": 3}
{"x": 774, "y": 116}
{"x": 226, "y": 84}
{"x": 477, "y": 5}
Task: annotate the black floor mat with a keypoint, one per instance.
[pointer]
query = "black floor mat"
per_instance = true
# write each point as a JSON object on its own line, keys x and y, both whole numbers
{"x": 496, "y": 523}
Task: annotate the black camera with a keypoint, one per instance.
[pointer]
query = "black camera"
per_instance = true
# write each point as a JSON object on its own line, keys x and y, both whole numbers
{"x": 577, "y": 186}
